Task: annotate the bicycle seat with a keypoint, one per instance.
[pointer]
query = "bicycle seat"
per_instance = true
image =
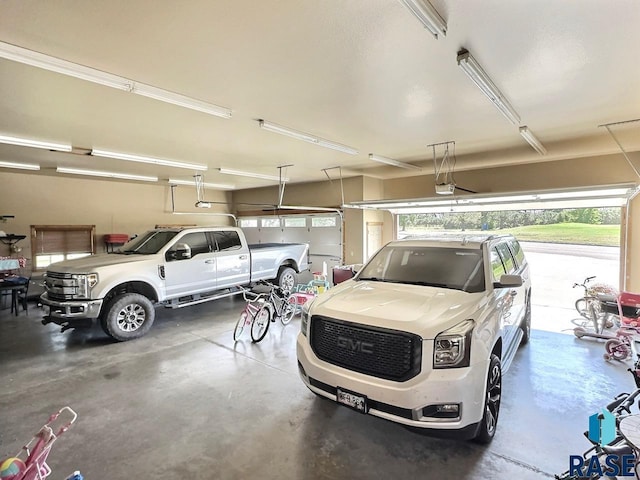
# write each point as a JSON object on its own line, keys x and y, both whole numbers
{"x": 619, "y": 450}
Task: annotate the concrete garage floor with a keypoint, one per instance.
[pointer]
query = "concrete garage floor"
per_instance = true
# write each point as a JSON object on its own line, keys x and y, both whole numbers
{"x": 185, "y": 402}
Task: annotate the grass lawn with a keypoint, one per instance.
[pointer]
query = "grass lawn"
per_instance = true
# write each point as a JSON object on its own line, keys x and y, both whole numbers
{"x": 579, "y": 233}
{"x": 576, "y": 233}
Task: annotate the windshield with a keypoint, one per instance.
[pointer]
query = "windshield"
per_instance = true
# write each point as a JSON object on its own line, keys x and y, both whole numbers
{"x": 147, "y": 244}
{"x": 455, "y": 268}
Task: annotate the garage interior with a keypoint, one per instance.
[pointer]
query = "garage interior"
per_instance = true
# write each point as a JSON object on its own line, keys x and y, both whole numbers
{"x": 204, "y": 88}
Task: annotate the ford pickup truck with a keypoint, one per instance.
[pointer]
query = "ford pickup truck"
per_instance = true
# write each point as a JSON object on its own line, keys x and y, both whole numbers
{"x": 175, "y": 267}
{"x": 422, "y": 334}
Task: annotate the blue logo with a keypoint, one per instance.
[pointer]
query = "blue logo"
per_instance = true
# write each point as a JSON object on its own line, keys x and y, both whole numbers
{"x": 602, "y": 427}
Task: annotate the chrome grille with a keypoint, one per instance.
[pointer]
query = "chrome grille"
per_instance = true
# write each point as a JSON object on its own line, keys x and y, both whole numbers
{"x": 60, "y": 286}
{"x": 379, "y": 352}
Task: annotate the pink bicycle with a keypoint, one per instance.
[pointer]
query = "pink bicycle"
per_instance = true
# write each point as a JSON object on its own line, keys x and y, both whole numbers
{"x": 248, "y": 315}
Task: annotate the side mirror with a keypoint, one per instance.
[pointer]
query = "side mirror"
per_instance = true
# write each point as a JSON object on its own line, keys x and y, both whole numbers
{"x": 507, "y": 281}
{"x": 181, "y": 251}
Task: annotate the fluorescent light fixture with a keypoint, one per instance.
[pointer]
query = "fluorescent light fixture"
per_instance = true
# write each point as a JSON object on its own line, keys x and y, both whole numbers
{"x": 428, "y": 16}
{"x": 222, "y": 186}
{"x": 21, "y": 166}
{"x": 98, "y": 173}
{"x": 228, "y": 171}
{"x": 533, "y": 141}
{"x": 306, "y": 137}
{"x": 26, "y": 142}
{"x": 390, "y": 161}
{"x": 141, "y": 159}
{"x": 475, "y": 72}
{"x": 53, "y": 64}
{"x": 180, "y": 100}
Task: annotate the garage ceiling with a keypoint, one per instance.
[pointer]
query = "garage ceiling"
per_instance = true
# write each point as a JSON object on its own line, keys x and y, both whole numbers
{"x": 363, "y": 73}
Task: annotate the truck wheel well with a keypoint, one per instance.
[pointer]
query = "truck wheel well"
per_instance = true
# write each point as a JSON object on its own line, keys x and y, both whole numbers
{"x": 142, "y": 288}
{"x": 289, "y": 263}
{"x": 497, "y": 349}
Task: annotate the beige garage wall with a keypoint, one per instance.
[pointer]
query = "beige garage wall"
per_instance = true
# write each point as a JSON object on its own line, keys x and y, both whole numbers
{"x": 113, "y": 207}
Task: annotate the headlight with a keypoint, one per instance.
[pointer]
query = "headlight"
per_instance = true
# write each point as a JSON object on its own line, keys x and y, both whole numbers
{"x": 452, "y": 348}
{"x": 85, "y": 282}
{"x": 306, "y": 316}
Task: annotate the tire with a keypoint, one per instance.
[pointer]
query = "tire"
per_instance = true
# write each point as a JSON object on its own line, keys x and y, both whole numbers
{"x": 289, "y": 310}
{"x": 240, "y": 324}
{"x": 128, "y": 316}
{"x": 260, "y": 324}
{"x": 581, "y": 308}
{"x": 287, "y": 279}
{"x": 525, "y": 325}
{"x": 492, "y": 400}
{"x": 616, "y": 349}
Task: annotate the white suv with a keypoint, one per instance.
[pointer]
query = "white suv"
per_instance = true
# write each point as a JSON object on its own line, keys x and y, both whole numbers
{"x": 422, "y": 334}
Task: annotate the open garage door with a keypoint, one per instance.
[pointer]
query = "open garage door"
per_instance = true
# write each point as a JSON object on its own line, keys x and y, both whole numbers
{"x": 323, "y": 233}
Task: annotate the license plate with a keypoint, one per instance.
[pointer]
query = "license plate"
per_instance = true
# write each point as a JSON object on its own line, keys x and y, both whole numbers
{"x": 352, "y": 400}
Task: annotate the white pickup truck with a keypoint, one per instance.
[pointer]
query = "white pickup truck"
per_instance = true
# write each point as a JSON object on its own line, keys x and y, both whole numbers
{"x": 175, "y": 267}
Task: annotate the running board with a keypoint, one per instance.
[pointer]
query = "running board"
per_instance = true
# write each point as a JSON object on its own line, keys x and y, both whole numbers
{"x": 508, "y": 356}
{"x": 202, "y": 298}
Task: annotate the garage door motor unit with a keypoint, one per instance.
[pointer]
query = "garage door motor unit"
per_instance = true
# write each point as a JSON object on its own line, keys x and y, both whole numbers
{"x": 422, "y": 334}
{"x": 176, "y": 267}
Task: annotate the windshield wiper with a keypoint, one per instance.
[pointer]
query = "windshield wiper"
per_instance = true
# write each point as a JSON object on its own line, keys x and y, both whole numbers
{"x": 428, "y": 284}
{"x": 373, "y": 279}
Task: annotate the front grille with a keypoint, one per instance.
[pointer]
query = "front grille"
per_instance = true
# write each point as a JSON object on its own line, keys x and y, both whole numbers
{"x": 60, "y": 286}
{"x": 379, "y": 352}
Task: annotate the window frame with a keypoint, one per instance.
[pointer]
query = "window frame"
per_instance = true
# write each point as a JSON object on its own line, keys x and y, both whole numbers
{"x": 37, "y": 244}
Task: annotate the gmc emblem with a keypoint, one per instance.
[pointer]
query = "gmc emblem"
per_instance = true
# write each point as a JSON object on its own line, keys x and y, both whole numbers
{"x": 355, "y": 345}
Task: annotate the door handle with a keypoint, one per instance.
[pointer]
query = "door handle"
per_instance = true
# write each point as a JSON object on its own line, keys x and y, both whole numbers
{"x": 211, "y": 260}
{"x": 513, "y": 293}
{"x": 243, "y": 257}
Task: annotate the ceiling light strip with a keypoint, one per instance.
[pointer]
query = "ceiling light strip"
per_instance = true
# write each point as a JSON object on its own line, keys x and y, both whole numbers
{"x": 228, "y": 171}
{"x": 26, "y": 142}
{"x": 98, "y": 173}
{"x": 53, "y": 64}
{"x": 475, "y": 72}
{"x": 21, "y": 166}
{"x": 223, "y": 186}
{"x": 142, "y": 159}
{"x": 532, "y": 140}
{"x": 390, "y": 161}
{"x": 428, "y": 16}
{"x": 306, "y": 137}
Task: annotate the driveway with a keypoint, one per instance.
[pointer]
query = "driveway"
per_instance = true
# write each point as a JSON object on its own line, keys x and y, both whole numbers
{"x": 554, "y": 270}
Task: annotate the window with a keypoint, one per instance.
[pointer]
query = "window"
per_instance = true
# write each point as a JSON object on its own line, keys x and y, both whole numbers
{"x": 147, "y": 244}
{"x": 323, "y": 221}
{"x": 248, "y": 222}
{"x": 270, "y": 222}
{"x": 227, "y": 240}
{"x": 295, "y": 222}
{"x": 197, "y": 241}
{"x": 507, "y": 259}
{"x": 516, "y": 249}
{"x": 55, "y": 243}
{"x": 496, "y": 265}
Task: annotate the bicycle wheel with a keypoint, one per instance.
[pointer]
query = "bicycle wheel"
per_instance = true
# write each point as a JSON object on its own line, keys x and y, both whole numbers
{"x": 581, "y": 308}
{"x": 616, "y": 349}
{"x": 240, "y": 324}
{"x": 260, "y": 324}
{"x": 288, "y": 310}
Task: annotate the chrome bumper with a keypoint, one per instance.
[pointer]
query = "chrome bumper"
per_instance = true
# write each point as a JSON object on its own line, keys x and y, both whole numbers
{"x": 72, "y": 309}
